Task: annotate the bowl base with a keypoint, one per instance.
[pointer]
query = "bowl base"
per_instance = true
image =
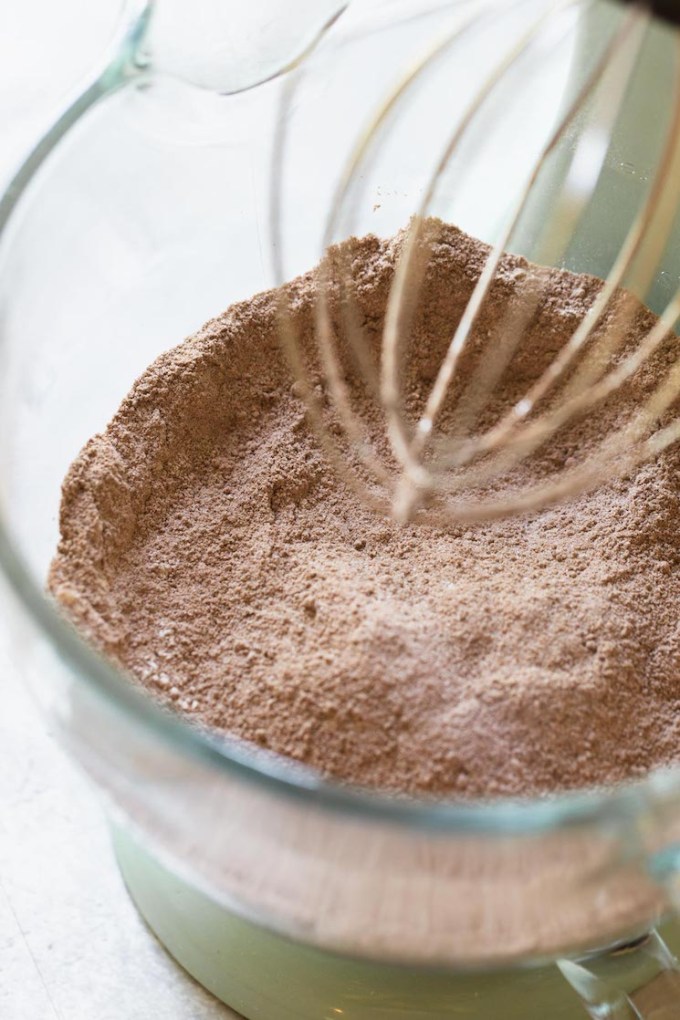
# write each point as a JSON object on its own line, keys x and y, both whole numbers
{"x": 265, "y": 976}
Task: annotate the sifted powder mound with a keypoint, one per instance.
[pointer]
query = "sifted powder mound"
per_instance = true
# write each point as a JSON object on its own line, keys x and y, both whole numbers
{"x": 208, "y": 549}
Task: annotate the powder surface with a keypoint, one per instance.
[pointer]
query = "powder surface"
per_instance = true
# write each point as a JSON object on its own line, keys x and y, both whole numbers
{"x": 208, "y": 548}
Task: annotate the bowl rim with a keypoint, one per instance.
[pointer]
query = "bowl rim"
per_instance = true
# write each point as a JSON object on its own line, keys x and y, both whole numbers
{"x": 501, "y": 817}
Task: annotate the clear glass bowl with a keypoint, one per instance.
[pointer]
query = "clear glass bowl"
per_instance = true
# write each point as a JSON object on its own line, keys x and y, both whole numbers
{"x": 142, "y": 213}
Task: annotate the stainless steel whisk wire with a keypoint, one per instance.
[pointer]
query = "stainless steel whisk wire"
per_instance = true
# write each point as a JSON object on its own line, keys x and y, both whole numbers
{"x": 435, "y": 473}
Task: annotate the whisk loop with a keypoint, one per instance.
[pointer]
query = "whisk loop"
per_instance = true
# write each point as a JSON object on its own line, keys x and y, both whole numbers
{"x": 438, "y": 472}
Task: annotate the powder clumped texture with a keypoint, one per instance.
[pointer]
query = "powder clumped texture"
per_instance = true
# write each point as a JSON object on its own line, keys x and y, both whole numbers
{"x": 209, "y": 550}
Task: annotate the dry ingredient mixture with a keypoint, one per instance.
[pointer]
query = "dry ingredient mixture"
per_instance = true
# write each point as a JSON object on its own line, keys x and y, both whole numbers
{"x": 208, "y": 548}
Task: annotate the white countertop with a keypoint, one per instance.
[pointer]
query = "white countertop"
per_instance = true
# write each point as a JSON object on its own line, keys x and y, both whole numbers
{"x": 71, "y": 944}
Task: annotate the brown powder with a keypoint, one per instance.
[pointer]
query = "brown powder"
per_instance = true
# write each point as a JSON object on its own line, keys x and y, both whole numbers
{"x": 208, "y": 549}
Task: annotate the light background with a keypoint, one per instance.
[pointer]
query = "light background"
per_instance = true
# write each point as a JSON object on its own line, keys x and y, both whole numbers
{"x": 71, "y": 944}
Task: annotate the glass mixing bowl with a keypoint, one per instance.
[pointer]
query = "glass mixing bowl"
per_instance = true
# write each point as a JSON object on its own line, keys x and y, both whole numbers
{"x": 145, "y": 211}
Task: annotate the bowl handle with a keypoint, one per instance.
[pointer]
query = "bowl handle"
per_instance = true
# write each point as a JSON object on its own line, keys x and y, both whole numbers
{"x": 635, "y": 980}
{"x": 227, "y": 46}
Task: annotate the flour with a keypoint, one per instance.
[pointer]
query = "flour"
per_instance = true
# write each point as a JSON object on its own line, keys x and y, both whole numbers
{"x": 208, "y": 549}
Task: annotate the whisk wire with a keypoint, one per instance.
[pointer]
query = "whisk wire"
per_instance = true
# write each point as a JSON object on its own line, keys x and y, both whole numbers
{"x": 405, "y": 447}
{"x": 587, "y": 390}
{"x": 332, "y": 368}
{"x": 441, "y": 474}
{"x": 411, "y": 489}
{"x": 666, "y": 181}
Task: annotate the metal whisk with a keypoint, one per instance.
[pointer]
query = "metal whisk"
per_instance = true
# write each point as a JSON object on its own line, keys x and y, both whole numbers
{"x": 425, "y": 470}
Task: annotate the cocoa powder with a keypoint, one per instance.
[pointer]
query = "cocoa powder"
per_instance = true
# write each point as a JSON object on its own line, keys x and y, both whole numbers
{"x": 209, "y": 550}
